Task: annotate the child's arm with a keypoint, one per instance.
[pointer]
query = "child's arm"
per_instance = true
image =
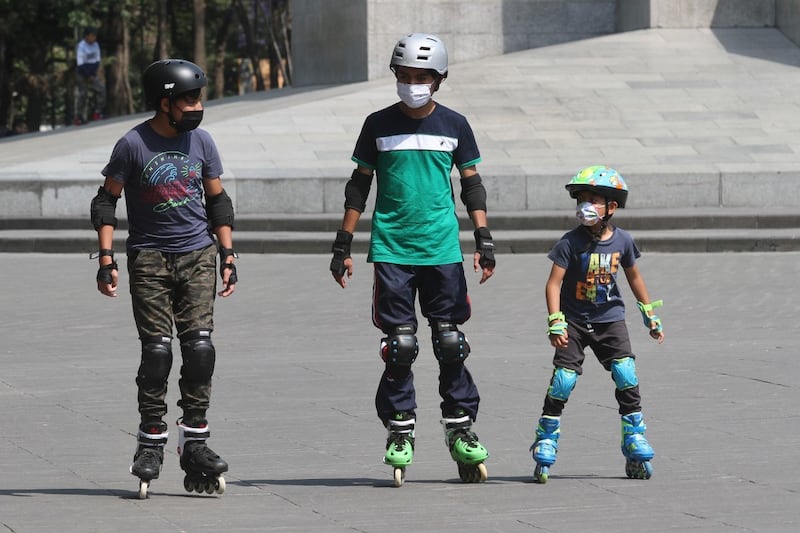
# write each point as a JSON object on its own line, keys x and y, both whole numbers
{"x": 651, "y": 320}
{"x": 556, "y": 323}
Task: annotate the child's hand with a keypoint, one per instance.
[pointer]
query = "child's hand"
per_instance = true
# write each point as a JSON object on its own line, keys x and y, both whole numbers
{"x": 557, "y": 330}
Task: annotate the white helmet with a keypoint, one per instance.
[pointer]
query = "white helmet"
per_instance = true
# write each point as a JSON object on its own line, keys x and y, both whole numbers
{"x": 420, "y": 50}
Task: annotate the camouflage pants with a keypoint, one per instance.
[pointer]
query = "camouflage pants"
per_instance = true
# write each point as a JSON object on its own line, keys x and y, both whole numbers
{"x": 173, "y": 289}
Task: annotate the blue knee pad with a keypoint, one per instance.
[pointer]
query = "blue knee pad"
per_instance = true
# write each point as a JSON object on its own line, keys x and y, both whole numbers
{"x": 562, "y": 383}
{"x": 623, "y": 371}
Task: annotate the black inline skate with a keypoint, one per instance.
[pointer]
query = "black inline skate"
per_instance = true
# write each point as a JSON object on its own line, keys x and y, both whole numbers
{"x": 149, "y": 456}
{"x": 203, "y": 467}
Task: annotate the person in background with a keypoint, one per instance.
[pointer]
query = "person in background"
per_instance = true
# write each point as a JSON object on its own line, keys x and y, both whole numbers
{"x": 88, "y": 65}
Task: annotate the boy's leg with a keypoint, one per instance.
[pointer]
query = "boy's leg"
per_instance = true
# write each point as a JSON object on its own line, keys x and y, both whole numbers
{"x": 194, "y": 320}
{"x": 393, "y": 313}
{"x": 567, "y": 366}
{"x": 614, "y": 352}
{"x": 150, "y": 287}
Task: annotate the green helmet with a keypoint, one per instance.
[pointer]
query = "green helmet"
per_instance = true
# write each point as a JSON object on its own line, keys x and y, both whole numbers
{"x": 601, "y": 180}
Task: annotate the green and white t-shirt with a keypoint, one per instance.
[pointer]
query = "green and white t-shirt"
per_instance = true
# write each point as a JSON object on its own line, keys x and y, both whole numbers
{"x": 415, "y": 222}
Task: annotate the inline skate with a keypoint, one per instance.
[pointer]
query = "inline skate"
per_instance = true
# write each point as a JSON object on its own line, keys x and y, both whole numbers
{"x": 635, "y": 448}
{"x": 149, "y": 456}
{"x": 465, "y": 450}
{"x": 400, "y": 445}
{"x": 545, "y": 448}
{"x": 203, "y": 467}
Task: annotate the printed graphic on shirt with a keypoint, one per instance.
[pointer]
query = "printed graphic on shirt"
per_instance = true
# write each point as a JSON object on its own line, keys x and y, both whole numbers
{"x": 600, "y": 269}
{"x": 171, "y": 180}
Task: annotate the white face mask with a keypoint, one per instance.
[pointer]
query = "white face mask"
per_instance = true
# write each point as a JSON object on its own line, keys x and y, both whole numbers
{"x": 414, "y": 96}
{"x": 587, "y": 214}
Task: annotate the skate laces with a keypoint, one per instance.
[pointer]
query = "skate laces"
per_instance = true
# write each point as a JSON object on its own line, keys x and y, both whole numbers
{"x": 200, "y": 449}
{"x": 149, "y": 456}
{"x": 399, "y": 441}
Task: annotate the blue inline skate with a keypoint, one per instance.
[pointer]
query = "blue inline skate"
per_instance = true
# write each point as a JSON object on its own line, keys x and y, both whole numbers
{"x": 545, "y": 447}
{"x": 400, "y": 445}
{"x": 635, "y": 448}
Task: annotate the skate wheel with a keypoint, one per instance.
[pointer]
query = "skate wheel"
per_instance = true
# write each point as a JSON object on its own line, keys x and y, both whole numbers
{"x": 399, "y": 476}
{"x": 220, "y": 485}
{"x": 143, "y": 486}
{"x": 472, "y": 473}
{"x": 648, "y": 470}
{"x": 541, "y": 474}
{"x": 210, "y": 486}
{"x": 636, "y": 470}
{"x": 483, "y": 474}
{"x": 188, "y": 484}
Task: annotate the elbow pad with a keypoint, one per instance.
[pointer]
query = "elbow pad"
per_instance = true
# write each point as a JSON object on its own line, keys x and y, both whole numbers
{"x": 219, "y": 209}
{"x": 356, "y": 191}
{"x": 473, "y": 194}
{"x": 104, "y": 206}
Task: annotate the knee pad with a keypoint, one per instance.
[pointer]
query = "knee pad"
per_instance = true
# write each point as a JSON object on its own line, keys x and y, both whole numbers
{"x": 449, "y": 344}
{"x": 401, "y": 347}
{"x": 623, "y": 371}
{"x": 156, "y": 361}
{"x": 198, "y": 356}
{"x": 562, "y": 383}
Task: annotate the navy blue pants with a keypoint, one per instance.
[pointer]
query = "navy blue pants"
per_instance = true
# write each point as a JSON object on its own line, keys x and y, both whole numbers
{"x": 442, "y": 292}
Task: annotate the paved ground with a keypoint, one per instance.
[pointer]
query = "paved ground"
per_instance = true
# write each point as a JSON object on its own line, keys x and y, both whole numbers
{"x": 292, "y": 409}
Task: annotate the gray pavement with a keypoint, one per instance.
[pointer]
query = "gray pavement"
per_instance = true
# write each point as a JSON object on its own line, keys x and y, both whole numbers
{"x": 292, "y": 409}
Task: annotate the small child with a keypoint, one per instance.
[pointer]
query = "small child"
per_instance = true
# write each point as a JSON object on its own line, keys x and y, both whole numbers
{"x": 585, "y": 308}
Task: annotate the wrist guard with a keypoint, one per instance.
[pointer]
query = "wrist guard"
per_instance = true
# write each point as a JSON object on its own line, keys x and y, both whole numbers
{"x": 559, "y": 327}
{"x": 651, "y": 322}
{"x": 485, "y": 246}
{"x": 104, "y": 272}
{"x": 341, "y": 251}
{"x": 225, "y": 253}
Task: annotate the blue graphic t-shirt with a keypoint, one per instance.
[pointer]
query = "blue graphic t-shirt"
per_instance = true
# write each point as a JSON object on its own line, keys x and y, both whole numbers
{"x": 415, "y": 220}
{"x": 163, "y": 179}
{"x": 589, "y": 292}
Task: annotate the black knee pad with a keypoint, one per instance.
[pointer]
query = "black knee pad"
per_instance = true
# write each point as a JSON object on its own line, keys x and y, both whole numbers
{"x": 449, "y": 344}
{"x": 156, "y": 361}
{"x": 400, "y": 349}
{"x": 198, "y": 355}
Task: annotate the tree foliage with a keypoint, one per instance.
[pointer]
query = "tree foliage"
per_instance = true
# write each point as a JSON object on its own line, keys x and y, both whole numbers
{"x": 242, "y": 45}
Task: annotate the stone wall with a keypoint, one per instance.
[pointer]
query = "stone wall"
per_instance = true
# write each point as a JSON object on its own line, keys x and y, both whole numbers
{"x": 346, "y": 41}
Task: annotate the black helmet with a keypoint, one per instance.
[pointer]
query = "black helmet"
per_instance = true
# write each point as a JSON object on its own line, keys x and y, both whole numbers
{"x": 170, "y": 78}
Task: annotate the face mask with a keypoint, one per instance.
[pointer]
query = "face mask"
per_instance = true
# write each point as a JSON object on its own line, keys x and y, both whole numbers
{"x": 587, "y": 214}
{"x": 414, "y": 96}
{"x": 189, "y": 121}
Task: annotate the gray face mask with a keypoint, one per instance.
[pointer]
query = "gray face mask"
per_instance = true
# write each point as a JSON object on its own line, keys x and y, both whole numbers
{"x": 189, "y": 121}
{"x": 587, "y": 214}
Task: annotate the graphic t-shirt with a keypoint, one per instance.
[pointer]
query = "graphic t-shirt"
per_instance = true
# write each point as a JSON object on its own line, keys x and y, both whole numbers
{"x": 589, "y": 292}
{"x": 163, "y": 179}
{"x": 415, "y": 221}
